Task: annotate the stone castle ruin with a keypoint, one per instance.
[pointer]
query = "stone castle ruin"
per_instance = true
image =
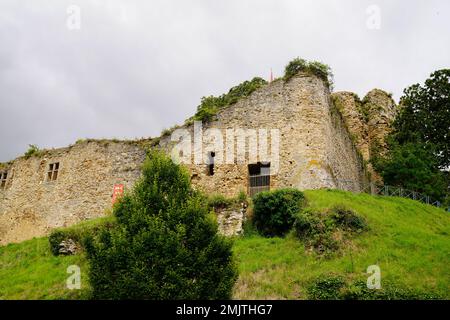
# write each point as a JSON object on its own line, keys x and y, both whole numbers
{"x": 291, "y": 133}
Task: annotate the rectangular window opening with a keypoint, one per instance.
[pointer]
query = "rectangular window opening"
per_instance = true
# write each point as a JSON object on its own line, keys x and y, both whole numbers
{"x": 259, "y": 177}
{"x": 52, "y": 173}
{"x": 211, "y": 156}
{"x": 3, "y": 179}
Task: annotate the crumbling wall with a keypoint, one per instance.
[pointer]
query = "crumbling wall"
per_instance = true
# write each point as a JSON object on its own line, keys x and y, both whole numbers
{"x": 323, "y": 139}
{"x": 30, "y": 205}
{"x": 314, "y": 147}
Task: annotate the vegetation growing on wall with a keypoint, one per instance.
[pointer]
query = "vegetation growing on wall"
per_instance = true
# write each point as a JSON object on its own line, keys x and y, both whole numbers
{"x": 5, "y": 164}
{"x": 218, "y": 201}
{"x": 210, "y": 105}
{"x": 33, "y": 150}
{"x": 319, "y": 69}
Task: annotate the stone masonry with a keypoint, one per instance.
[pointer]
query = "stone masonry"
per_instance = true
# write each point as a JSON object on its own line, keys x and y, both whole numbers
{"x": 323, "y": 138}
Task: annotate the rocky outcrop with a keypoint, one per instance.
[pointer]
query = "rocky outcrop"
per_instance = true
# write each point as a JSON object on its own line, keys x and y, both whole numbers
{"x": 230, "y": 219}
{"x": 368, "y": 121}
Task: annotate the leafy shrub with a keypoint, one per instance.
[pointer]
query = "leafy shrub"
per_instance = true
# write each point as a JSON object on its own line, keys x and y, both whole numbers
{"x": 412, "y": 166}
{"x": 77, "y": 234}
{"x": 293, "y": 67}
{"x": 249, "y": 229}
{"x": 333, "y": 287}
{"x": 58, "y": 236}
{"x": 308, "y": 223}
{"x": 326, "y": 288}
{"x": 210, "y": 105}
{"x": 164, "y": 246}
{"x": 242, "y": 197}
{"x": 318, "y": 229}
{"x": 219, "y": 201}
{"x": 348, "y": 219}
{"x": 319, "y": 69}
{"x": 274, "y": 211}
{"x": 33, "y": 150}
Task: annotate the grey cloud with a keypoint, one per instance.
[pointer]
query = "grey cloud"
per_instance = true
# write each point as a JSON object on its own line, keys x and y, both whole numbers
{"x": 137, "y": 67}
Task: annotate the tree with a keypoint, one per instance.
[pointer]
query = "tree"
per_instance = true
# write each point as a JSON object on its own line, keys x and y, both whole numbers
{"x": 425, "y": 116}
{"x": 419, "y": 145}
{"x": 413, "y": 166}
{"x": 165, "y": 244}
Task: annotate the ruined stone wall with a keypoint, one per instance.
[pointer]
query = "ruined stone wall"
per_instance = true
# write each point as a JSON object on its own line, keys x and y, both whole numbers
{"x": 31, "y": 206}
{"x": 314, "y": 147}
{"x": 323, "y": 139}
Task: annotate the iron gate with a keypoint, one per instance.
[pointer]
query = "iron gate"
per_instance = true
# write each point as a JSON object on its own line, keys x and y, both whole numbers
{"x": 258, "y": 183}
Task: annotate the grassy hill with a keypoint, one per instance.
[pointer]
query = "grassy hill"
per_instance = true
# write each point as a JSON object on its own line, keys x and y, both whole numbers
{"x": 408, "y": 240}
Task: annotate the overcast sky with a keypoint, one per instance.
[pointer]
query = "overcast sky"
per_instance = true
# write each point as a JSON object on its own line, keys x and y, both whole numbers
{"x": 136, "y": 67}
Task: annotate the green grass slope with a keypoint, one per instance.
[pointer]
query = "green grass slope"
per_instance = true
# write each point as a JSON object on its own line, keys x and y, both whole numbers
{"x": 407, "y": 239}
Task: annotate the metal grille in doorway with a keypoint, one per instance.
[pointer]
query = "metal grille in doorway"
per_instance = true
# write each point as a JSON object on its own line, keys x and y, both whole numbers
{"x": 258, "y": 183}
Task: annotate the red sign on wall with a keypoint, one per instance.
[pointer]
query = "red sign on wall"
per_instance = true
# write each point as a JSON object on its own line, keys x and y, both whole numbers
{"x": 117, "y": 192}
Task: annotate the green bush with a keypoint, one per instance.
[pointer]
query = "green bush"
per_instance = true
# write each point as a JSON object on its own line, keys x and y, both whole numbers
{"x": 317, "y": 229}
{"x": 33, "y": 150}
{"x": 274, "y": 211}
{"x": 77, "y": 233}
{"x": 218, "y": 201}
{"x": 347, "y": 219}
{"x": 308, "y": 223}
{"x": 335, "y": 287}
{"x": 210, "y": 105}
{"x": 319, "y": 69}
{"x": 56, "y": 237}
{"x": 326, "y": 288}
{"x": 165, "y": 244}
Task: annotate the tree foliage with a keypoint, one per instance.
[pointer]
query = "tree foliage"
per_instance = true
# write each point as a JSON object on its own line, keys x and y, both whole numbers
{"x": 165, "y": 244}
{"x": 413, "y": 166}
{"x": 425, "y": 116}
{"x": 419, "y": 146}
